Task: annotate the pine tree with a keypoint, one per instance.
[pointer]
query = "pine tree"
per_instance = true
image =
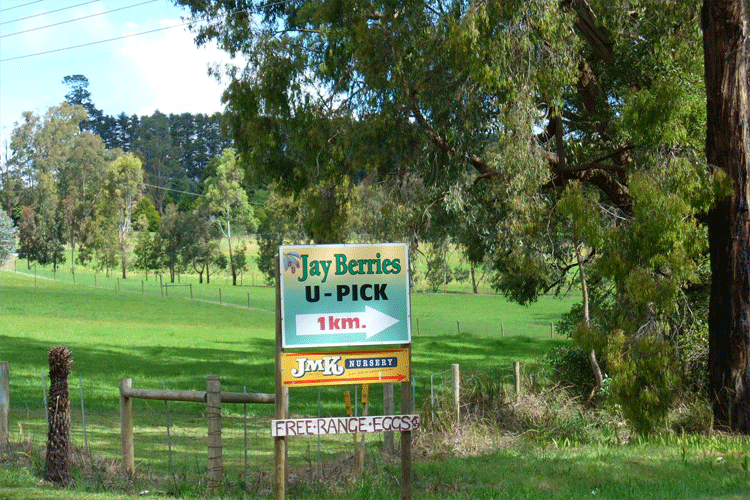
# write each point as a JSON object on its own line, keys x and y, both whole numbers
{"x": 58, "y": 404}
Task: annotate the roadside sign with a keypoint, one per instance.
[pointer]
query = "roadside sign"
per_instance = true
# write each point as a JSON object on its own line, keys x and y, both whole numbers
{"x": 344, "y": 295}
{"x": 342, "y": 368}
{"x": 344, "y": 425}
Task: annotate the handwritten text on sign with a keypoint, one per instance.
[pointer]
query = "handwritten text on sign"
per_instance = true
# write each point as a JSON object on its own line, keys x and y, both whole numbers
{"x": 344, "y": 425}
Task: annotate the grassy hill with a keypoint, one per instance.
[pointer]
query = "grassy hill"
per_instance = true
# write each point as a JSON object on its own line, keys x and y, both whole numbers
{"x": 118, "y": 330}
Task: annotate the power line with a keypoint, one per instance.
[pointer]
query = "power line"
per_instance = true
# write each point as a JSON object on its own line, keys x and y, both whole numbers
{"x": 23, "y": 5}
{"x": 77, "y": 19}
{"x": 280, "y": 2}
{"x": 92, "y": 43}
{"x": 170, "y": 189}
{"x": 50, "y": 12}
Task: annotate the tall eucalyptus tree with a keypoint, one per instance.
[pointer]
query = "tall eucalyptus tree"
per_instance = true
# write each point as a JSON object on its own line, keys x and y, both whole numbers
{"x": 726, "y": 31}
{"x": 494, "y": 109}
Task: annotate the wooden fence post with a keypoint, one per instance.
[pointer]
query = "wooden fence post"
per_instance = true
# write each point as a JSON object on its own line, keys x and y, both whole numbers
{"x": 517, "y": 377}
{"x": 126, "y": 427}
{"x": 406, "y": 470}
{"x": 456, "y": 391}
{"x": 4, "y": 405}
{"x": 213, "y": 407}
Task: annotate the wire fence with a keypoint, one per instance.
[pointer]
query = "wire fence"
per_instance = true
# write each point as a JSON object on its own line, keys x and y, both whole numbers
{"x": 170, "y": 436}
{"x": 251, "y": 291}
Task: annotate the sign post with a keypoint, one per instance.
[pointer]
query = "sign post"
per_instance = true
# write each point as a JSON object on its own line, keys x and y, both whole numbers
{"x": 343, "y": 296}
{"x": 281, "y": 405}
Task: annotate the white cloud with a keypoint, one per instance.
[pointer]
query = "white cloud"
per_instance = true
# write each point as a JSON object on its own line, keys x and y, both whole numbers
{"x": 173, "y": 72}
{"x": 137, "y": 74}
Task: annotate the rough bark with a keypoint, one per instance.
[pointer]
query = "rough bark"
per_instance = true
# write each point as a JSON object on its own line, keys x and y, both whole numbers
{"x": 58, "y": 406}
{"x": 725, "y": 35}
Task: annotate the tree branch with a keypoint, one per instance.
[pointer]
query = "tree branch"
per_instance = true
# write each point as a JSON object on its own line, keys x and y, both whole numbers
{"x": 484, "y": 168}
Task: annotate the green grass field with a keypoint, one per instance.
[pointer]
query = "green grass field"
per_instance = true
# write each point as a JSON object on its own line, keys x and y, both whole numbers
{"x": 118, "y": 330}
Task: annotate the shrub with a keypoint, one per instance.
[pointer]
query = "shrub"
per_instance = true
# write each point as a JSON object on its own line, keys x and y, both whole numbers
{"x": 571, "y": 368}
{"x": 692, "y": 414}
{"x": 693, "y": 349}
{"x": 644, "y": 376}
{"x": 490, "y": 410}
{"x": 147, "y": 210}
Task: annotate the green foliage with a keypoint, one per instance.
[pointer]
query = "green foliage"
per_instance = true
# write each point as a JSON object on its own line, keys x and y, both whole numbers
{"x": 571, "y": 367}
{"x": 240, "y": 258}
{"x": 644, "y": 379}
{"x": 227, "y": 200}
{"x": 123, "y": 188}
{"x": 282, "y": 226}
{"x": 580, "y": 205}
{"x": 145, "y": 252}
{"x": 61, "y": 169}
{"x": 146, "y": 208}
{"x": 200, "y": 242}
{"x": 692, "y": 347}
{"x": 38, "y": 241}
{"x": 7, "y": 237}
{"x": 439, "y": 272}
{"x": 535, "y": 248}
{"x": 326, "y": 211}
{"x": 168, "y": 241}
{"x": 159, "y": 155}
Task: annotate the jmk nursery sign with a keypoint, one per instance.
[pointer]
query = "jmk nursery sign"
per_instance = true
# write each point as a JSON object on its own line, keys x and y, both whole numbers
{"x": 344, "y": 295}
{"x": 343, "y": 368}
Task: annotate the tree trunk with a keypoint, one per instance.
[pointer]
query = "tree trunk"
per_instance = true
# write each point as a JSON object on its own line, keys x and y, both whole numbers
{"x": 72, "y": 255}
{"x": 725, "y": 34}
{"x": 58, "y": 406}
{"x": 598, "y": 377}
{"x": 231, "y": 256}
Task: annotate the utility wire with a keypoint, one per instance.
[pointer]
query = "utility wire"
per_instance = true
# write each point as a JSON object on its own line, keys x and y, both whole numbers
{"x": 49, "y": 12}
{"x": 170, "y": 189}
{"x": 280, "y": 2}
{"x": 92, "y": 43}
{"x": 23, "y": 5}
{"x": 77, "y": 19}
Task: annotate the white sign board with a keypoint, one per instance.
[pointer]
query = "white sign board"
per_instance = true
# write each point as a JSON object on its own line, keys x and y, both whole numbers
{"x": 344, "y": 425}
{"x": 344, "y": 295}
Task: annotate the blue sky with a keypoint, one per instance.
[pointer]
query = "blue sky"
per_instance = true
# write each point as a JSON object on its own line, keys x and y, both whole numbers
{"x": 135, "y": 74}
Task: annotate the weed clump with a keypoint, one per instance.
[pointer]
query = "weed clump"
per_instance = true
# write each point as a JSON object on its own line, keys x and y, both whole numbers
{"x": 493, "y": 417}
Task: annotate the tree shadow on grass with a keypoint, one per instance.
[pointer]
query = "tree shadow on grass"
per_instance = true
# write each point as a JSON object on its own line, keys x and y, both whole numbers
{"x": 433, "y": 354}
{"x": 102, "y": 366}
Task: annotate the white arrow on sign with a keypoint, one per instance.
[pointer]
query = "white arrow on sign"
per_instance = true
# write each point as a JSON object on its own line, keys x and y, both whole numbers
{"x": 370, "y": 322}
